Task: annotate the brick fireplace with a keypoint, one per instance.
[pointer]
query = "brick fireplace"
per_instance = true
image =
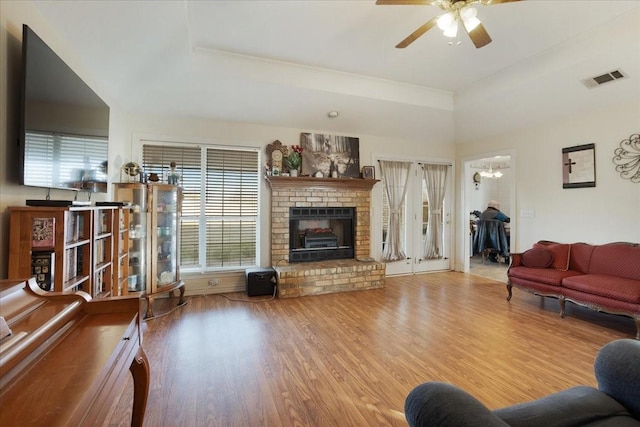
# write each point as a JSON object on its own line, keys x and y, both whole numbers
{"x": 332, "y": 275}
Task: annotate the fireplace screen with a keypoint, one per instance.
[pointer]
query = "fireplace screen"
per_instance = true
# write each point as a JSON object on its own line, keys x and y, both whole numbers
{"x": 316, "y": 234}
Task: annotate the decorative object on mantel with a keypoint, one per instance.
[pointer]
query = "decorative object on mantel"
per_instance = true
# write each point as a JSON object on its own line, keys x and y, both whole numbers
{"x": 327, "y": 153}
{"x": 627, "y": 158}
{"x": 294, "y": 160}
{"x": 276, "y": 152}
{"x": 579, "y": 166}
{"x": 368, "y": 172}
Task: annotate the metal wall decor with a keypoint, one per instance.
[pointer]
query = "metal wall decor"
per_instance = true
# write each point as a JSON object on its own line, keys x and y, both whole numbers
{"x": 627, "y": 158}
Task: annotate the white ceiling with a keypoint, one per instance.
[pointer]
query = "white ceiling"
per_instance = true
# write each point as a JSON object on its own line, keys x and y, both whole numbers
{"x": 287, "y": 63}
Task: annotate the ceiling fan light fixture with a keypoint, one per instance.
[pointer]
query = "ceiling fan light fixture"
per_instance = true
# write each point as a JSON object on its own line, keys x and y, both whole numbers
{"x": 471, "y": 23}
{"x": 446, "y": 21}
{"x": 468, "y": 12}
{"x": 469, "y": 17}
{"x": 452, "y": 31}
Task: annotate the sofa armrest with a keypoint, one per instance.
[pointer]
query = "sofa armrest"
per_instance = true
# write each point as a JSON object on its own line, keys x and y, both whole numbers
{"x": 617, "y": 369}
{"x": 435, "y": 404}
{"x": 576, "y": 406}
{"x": 516, "y": 259}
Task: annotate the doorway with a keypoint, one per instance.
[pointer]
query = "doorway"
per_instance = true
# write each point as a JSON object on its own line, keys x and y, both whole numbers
{"x": 421, "y": 222}
{"x": 489, "y": 177}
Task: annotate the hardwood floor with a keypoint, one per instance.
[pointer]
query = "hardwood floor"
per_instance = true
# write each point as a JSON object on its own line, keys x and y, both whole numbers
{"x": 489, "y": 269}
{"x": 350, "y": 359}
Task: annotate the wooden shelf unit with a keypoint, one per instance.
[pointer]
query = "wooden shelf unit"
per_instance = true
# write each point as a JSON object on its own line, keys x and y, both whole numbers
{"x": 67, "y": 249}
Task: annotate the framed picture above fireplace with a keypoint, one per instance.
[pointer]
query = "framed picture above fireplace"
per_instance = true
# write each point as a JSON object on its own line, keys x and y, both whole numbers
{"x": 331, "y": 155}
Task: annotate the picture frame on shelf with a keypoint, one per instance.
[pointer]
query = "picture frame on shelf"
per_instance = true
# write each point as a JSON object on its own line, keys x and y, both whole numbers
{"x": 368, "y": 172}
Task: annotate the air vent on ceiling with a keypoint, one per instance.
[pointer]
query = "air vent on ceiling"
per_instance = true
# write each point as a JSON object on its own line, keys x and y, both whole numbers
{"x": 596, "y": 81}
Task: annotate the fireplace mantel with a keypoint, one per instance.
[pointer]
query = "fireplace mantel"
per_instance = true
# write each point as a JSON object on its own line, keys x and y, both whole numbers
{"x": 309, "y": 182}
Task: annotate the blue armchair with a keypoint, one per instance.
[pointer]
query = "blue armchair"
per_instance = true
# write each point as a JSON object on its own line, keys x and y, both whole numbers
{"x": 615, "y": 403}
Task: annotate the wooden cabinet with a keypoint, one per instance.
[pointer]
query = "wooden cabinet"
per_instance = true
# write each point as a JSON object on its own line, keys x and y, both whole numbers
{"x": 66, "y": 249}
{"x": 154, "y": 239}
{"x": 67, "y": 359}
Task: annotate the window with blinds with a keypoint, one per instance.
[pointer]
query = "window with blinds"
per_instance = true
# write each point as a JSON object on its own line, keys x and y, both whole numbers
{"x": 219, "y": 219}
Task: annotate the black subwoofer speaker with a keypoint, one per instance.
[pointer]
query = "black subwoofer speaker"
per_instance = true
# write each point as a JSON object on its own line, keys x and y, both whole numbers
{"x": 260, "y": 281}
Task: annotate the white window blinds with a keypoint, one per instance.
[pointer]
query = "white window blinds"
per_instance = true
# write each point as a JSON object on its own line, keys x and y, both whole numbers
{"x": 220, "y": 203}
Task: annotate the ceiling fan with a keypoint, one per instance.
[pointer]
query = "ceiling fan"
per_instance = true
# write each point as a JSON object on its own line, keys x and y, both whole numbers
{"x": 456, "y": 12}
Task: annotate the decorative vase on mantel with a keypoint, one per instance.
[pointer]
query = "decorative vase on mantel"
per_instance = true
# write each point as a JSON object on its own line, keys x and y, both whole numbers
{"x": 293, "y": 160}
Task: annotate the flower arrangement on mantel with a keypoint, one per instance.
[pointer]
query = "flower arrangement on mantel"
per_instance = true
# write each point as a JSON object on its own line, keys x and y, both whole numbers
{"x": 294, "y": 160}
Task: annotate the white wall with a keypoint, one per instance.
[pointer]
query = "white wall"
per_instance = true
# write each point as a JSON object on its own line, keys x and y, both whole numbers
{"x": 252, "y": 135}
{"x": 608, "y": 212}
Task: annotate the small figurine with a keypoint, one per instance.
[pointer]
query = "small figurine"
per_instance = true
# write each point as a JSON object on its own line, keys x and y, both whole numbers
{"x": 174, "y": 176}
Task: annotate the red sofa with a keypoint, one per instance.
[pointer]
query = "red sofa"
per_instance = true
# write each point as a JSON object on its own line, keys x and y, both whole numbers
{"x": 602, "y": 277}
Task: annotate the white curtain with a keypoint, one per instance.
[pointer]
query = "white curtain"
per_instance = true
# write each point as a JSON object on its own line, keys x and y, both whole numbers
{"x": 435, "y": 177}
{"x": 395, "y": 175}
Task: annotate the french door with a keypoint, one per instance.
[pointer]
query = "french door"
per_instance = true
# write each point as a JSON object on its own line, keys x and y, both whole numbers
{"x": 417, "y": 234}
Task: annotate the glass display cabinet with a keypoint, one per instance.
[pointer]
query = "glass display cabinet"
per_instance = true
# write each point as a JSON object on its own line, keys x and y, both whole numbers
{"x": 154, "y": 235}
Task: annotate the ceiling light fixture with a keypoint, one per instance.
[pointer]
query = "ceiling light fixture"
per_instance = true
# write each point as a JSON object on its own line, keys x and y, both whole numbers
{"x": 448, "y": 22}
{"x": 469, "y": 17}
{"x": 333, "y": 114}
{"x": 490, "y": 173}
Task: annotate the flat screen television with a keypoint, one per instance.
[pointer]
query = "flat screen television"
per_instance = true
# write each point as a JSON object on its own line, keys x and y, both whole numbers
{"x": 64, "y": 125}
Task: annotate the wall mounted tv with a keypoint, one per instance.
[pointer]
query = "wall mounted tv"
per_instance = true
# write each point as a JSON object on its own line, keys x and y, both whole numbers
{"x": 64, "y": 125}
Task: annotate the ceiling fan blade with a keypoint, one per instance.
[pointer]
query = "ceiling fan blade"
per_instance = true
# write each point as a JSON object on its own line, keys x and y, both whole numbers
{"x": 417, "y": 33}
{"x": 479, "y": 36}
{"x": 404, "y": 2}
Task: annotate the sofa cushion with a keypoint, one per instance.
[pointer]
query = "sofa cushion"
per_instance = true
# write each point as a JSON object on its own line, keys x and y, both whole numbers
{"x": 560, "y": 252}
{"x": 577, "y": 406}
{"x": 617, "y": 288}
{"x": 537, "y": 258}
{"x": 548, "y": 276}
{"x": 616, "y": 259}
{"x": 580, "y": 257}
